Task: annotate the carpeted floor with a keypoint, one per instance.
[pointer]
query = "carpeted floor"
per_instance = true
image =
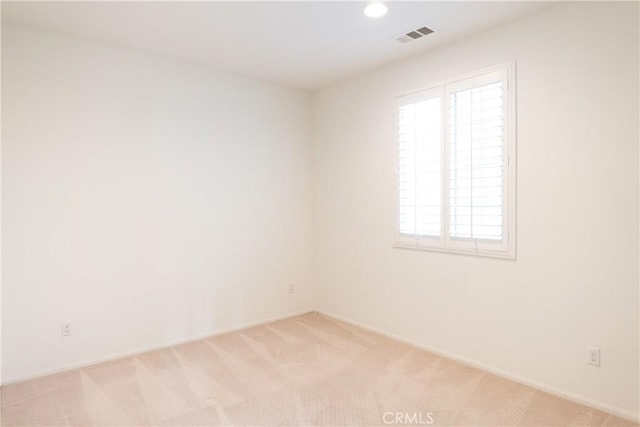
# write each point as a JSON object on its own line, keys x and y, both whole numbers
{"x": 307, "y": 370}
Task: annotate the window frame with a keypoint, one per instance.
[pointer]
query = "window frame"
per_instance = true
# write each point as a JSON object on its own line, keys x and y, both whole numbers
{"x": 506, "y": 248}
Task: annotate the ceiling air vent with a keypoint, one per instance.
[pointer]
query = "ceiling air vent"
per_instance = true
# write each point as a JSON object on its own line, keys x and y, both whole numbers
{"x": 414, "y": 35}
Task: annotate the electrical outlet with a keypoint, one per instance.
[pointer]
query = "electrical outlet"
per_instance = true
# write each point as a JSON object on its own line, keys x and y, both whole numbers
{"x": 66, "y": 329}
{"x": 593, "y": 356}
{"x": 291, "y": 288}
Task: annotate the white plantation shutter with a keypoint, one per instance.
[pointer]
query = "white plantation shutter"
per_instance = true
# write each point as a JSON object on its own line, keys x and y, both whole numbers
{"x": 454, "y": 172}
{"x": 420, "y": 167}
{"x": 477, "y": 161}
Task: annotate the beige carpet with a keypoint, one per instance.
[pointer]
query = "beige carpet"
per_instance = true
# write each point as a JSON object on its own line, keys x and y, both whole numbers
{"x": 307, "y": 370}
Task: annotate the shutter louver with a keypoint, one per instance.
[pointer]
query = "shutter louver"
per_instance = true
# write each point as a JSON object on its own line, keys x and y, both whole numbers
{"x": 476, "y": 162}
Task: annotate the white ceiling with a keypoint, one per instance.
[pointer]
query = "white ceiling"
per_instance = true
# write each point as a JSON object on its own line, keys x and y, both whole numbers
{"x": 305, "y": 44}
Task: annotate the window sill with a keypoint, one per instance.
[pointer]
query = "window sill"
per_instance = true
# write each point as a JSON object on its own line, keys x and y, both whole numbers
{"x": 510, "y": 255}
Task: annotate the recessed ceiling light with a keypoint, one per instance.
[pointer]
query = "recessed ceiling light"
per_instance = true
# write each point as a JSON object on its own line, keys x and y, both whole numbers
{"x": 375, "y": 10}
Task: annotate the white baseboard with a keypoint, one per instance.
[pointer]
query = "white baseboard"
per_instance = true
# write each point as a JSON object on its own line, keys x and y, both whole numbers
{"x": 57, "y": 370}
{"x": 596, "y": 404}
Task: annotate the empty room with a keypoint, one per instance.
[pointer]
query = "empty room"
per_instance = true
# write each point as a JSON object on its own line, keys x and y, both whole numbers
{"x": 320, "y": 213}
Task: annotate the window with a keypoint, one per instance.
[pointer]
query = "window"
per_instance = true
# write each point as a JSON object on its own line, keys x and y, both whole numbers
{"x": 456, "y": 166}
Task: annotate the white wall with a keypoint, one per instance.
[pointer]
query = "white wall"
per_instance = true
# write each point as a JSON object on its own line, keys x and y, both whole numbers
{"x": 575, "y": 280}
{"x": 145, "y": 201}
